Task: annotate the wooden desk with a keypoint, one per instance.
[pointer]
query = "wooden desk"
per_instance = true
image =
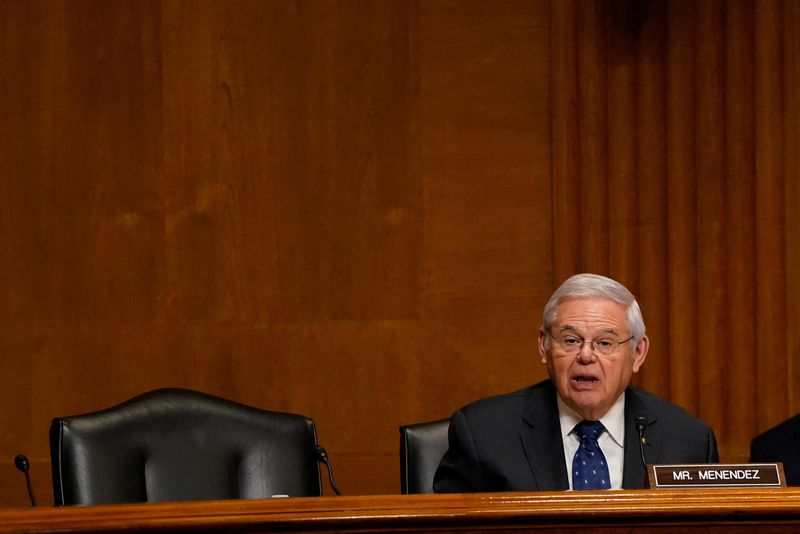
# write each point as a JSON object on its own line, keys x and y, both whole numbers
{"x": 722, "y": 510}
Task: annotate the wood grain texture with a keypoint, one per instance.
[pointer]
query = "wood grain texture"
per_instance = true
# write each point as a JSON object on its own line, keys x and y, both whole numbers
{"x": 336, "y": 208}
{"x": 564, "y": 130}
{"x": 356, "y": 210}
{"x": 590, "y": 202}
{"x": 623, "y": 180}
{"x": 740, "y": 275}
{"x": 714, "y": 128}
{"x": 597, "y": 512}
{"x": 711, "y": 173}
{"x": 791, "y": 79}
{"x": 683, "y": 324}
{"x": 770, "y": 206}
{"x": 652, "y": 218}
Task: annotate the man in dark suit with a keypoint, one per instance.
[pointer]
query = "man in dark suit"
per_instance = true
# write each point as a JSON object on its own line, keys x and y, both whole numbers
{"x": 780, "y": 444}
{"x": 585, "y": 427}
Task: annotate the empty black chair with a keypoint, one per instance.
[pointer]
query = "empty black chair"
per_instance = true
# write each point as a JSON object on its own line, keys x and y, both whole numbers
{"x": 422, "y": 446}
{"x": 177, "y": 444}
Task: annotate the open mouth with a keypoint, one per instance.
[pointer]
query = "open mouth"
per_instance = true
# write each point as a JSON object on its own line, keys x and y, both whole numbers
{"x": 585, "y": 380}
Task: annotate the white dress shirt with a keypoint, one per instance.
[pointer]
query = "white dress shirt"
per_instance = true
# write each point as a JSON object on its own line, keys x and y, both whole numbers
{"x": 611, "y": 441}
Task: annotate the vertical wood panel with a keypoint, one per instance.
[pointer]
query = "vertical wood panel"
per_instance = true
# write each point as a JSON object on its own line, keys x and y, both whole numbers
{"x": 740, "y": 227}
{"x": 86, "y": 245}
{"x": 682, "y": 203}
{"x": 83, "y": 247}
{"x": 294, "y": 214}
{"x": 291, "y": 148}
{"x": 715, "y": 122}
{"x": 623, "y": 192}
{"x": 20, "y": 136}
{"x": 791, "y": 61}
{"x": 564, "y": 127}
{"x": 590, "y": 205}
{"x": 710, "y": 192}
{"x": 769, "y": 216}
{"x": 651, "y": 169}
{"x": 485, "y": 159}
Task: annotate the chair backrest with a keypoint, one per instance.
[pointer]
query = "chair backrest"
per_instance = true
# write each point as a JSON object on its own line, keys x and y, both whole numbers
{"x": 422, "y": 446}
{"x": 178, "y": 444}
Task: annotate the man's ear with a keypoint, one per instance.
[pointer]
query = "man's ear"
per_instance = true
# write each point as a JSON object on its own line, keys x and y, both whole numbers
{"x": 640, "y": 353}
{"x": 542, "y": 339}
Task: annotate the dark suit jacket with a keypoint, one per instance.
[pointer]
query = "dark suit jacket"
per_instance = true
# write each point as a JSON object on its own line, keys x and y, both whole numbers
{"x": 780, "y": 444}
{"x": 513, "y": 442}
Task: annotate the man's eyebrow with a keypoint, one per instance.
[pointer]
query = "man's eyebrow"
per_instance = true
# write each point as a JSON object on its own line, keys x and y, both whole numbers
{"x": 573, "y": 328}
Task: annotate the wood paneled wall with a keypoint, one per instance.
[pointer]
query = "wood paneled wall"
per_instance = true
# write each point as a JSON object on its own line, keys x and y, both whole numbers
{"x": 355, "y": 210}
{"x": 675, "y": 141}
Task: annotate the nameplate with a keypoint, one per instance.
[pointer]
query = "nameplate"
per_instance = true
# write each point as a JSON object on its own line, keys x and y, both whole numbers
{"x": 716, "y": 475}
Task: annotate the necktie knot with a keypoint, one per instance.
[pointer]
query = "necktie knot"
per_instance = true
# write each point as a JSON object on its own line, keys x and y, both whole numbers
{"x": 589, "y": 430}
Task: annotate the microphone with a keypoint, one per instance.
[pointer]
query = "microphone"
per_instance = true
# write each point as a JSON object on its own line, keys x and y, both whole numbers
{"x": 23, "y": 464}
{"x": 641, "y": 424}
{"x": 322, "y": 456}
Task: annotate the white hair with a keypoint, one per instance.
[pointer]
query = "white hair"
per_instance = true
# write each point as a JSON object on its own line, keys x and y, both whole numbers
{"x": 594, "y": 285}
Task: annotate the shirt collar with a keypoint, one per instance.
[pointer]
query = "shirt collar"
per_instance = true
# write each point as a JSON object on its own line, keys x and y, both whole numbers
{"x": 613, "y": 420}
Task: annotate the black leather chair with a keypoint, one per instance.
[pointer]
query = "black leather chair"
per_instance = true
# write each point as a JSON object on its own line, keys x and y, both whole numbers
{"x": 178, "y": 444}
{"x": 422, "y": 446}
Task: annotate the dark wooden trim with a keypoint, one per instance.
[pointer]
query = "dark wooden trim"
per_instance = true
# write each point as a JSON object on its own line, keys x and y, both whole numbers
{"x": 687, "y": 510}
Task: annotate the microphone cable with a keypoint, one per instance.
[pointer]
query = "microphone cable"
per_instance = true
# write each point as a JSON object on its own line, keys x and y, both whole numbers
{"x": 322, "y": 456}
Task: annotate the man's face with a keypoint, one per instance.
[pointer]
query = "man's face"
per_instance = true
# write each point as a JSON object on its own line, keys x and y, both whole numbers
{"x": 590, "y": 382}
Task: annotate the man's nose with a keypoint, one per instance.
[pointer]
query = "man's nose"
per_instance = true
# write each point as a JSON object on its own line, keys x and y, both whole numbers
{"x": 586, "y": 354}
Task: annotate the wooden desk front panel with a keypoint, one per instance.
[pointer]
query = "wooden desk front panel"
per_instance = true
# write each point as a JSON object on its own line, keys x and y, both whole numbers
{"x": 619, "y": 511}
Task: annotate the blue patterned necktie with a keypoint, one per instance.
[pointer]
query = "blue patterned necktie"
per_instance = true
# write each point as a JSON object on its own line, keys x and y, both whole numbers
{"x": 589, "y": 467}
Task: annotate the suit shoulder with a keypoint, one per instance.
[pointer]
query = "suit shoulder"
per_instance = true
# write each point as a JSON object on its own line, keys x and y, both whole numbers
{"x": 780, "y": 433}
{"x": 506, "y": 403}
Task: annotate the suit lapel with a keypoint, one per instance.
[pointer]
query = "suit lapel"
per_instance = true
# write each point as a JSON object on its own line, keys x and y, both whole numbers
{"x": 634, "y": 473}
{"x": 544, "y": 448}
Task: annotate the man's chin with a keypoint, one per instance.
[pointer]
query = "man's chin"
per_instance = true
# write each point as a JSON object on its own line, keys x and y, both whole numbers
{"x": 586, "y": 403}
